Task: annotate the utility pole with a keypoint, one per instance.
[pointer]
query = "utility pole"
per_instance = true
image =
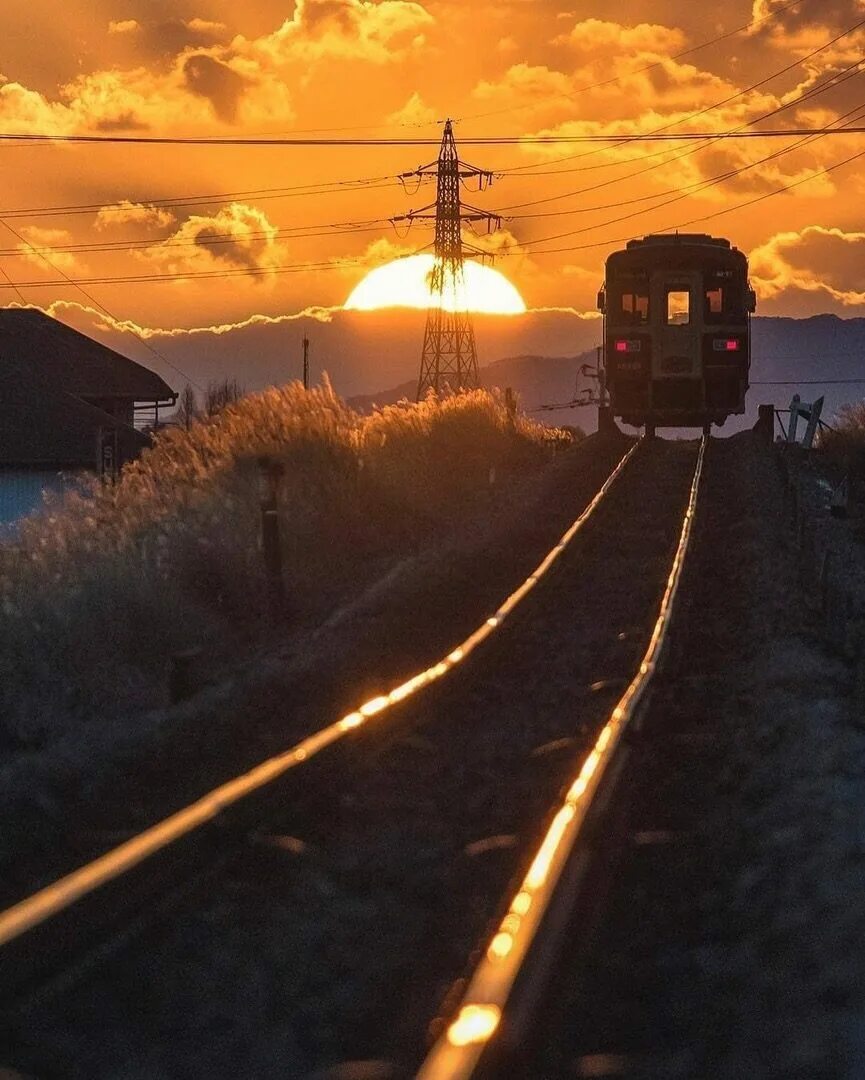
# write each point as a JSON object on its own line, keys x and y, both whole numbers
{"x": 305, "y": 362}
{"x": 449, "y": 358}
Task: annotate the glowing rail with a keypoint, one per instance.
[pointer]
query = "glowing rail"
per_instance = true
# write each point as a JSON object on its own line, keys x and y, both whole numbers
{"x": 61, "y": 894}
{"x": 458, "y": 1050}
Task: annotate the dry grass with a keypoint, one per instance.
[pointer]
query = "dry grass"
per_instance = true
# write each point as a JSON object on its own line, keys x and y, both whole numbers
{"x": 97, "y": 593}
{"x": 846, "y": 438}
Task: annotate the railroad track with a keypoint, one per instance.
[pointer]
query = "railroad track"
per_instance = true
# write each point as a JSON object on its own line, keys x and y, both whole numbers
{"x": 493, "y": 1027}
{"x": 506, "y": 728}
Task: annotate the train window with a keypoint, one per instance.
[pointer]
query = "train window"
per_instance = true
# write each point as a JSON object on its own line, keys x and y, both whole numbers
{"x": 678, "y": 306}
{"x": 723, "y": 297}
{"x": 635, "y": 307}
{"x": 715, "y": 301}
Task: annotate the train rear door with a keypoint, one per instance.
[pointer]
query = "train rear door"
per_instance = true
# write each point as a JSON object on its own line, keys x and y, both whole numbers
{"x": 677, "y": 375}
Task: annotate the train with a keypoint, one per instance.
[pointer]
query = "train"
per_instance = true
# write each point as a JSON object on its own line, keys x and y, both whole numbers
{"x": 677, "y": 343}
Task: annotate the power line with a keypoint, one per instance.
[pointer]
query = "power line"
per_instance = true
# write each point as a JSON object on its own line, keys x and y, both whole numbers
{"x": 742, "y": 93}
{"x": 698, "y": 220}
{"x": 206, "y": 241}
{"x": 702, "y": 186}
{"x": 491, "y": 140}
{"x": 661, "y": 164}
{"x": 650, "y": 67}
{"x": 253, "y": 271}
{"x": 92, "y": 299}
{"x": 831, "y": 83}
{"x": 260, "y": 194}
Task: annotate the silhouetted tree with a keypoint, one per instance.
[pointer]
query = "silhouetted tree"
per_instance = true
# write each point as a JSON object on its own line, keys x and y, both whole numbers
{"x": 221, "y": 393}
{"x": 187, "y": 407}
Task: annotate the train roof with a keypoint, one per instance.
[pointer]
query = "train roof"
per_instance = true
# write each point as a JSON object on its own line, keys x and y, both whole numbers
{"x": 677, "y": 250}
{"x": 679, "y": 239}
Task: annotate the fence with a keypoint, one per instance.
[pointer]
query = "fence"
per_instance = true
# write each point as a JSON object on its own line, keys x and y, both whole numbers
{"x": 831, "y": 564}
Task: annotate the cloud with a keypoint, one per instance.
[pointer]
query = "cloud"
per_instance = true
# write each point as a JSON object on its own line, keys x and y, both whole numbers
{"x": 130, "y": 213}
{"x": 39, "y": 249}
{"x": 802, "y": 28}
{"x": 413, "y": 114}
{"x": 379, "y": 32}
{"x": 245, "y": 82}
{"x": 591, "y": 35}
{"x": 815, "y": 259}
{"x": 624, "y": 82}
{"x": 88, "y": 318}
{"x": 377, "y": 253}
{"x": 124, "y": 26}
{"x": 206, "y": 26}
{"x": 524, "y": 83}
{"x": 216, "y": 81}
{"x": 238, "y": 236}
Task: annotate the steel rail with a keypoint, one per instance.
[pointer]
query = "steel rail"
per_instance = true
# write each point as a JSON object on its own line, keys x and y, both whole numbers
{"x": 458, "y": 1052}
{"x": 66, "y": 891}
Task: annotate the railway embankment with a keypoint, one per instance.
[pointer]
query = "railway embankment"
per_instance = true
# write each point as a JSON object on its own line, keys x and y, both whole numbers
{"x": 68, "y": 798}
{"x": 732, "y": 941}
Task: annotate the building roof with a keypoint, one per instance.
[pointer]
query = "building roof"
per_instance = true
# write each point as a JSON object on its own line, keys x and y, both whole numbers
{"x": 32, "y": 342}
{"x": 43, "y": 426}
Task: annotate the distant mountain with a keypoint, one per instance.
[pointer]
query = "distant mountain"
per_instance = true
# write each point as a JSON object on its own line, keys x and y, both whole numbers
{"x": 793, "y": 352}
{"x": 538, "y": 381}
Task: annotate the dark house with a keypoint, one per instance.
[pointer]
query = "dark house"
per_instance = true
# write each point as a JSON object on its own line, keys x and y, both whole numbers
{"x": 67, "y": 405}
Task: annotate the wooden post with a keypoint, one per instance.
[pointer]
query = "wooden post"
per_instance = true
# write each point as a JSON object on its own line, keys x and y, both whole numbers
{"x": 511, "y": 406}
{"x": 268, "y": 489}
{"x": 305, "y": 362}
{"x": 765, "y": 425}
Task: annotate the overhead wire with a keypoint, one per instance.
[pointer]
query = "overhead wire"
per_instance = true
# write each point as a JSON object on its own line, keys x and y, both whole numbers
{"x": 491, "y": 140}
{"x": 262, "y": 271}
{"x": 831, "y": 83}
{"x": 857, "y": 113}
{"x": 613, "y": 80}
{"x": 99, "y": 305}
{"x": 698, "y": 220}
{"x": 259, "y": 194}
{"x": 738, "y": 94}
{"x": 211, "y": 240}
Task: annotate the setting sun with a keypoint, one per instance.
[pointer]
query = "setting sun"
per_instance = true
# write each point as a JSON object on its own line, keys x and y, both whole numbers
{"x": 406, "y": 283}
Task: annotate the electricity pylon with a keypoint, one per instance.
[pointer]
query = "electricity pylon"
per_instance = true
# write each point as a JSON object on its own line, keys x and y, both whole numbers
{"x": 449, "y": 359}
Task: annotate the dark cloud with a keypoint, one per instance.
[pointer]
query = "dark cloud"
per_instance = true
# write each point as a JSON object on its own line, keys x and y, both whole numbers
{"x": 217, "y": 82}
{"x": 835, "y": 14}
{"x": 240, "y": 252}
{"x": 338, "y": 13}
{"x": 126, "y": 121}
{"x": 172, "y": 36}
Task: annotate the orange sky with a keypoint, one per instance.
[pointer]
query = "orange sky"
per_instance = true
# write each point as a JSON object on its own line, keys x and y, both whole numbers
{"x": 394, "y": 67}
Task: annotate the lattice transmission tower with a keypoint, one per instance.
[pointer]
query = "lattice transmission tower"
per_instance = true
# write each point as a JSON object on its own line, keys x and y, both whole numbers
{"x": 449, "y": 360}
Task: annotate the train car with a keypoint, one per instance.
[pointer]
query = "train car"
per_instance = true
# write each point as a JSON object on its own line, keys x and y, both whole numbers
{"x": 677, "y": 343}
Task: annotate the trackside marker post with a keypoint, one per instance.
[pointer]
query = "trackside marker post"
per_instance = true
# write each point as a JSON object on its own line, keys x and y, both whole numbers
{"x": 269, "y": 475}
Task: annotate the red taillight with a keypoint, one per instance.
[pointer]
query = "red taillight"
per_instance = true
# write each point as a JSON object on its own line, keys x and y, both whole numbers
{"x": 732, "y": 345}
{"x": 628, "y": 346}
{"x": 727, "y": 345}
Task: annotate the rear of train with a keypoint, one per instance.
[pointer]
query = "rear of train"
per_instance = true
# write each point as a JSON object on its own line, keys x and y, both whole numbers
{"x": 677, "y": 312}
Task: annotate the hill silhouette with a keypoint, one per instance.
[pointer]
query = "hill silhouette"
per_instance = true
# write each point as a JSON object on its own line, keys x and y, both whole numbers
{"x": 807, "y": 356}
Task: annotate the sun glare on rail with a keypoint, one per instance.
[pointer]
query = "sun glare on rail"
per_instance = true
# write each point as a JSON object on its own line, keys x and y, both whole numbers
{"x": 406, "y": 283}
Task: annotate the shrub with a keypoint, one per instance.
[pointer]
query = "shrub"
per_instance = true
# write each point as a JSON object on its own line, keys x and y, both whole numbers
{"x": 97, "y": 592}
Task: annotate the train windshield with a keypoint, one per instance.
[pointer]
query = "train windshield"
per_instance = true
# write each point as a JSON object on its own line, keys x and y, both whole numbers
{"x": 678, "y": 306}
